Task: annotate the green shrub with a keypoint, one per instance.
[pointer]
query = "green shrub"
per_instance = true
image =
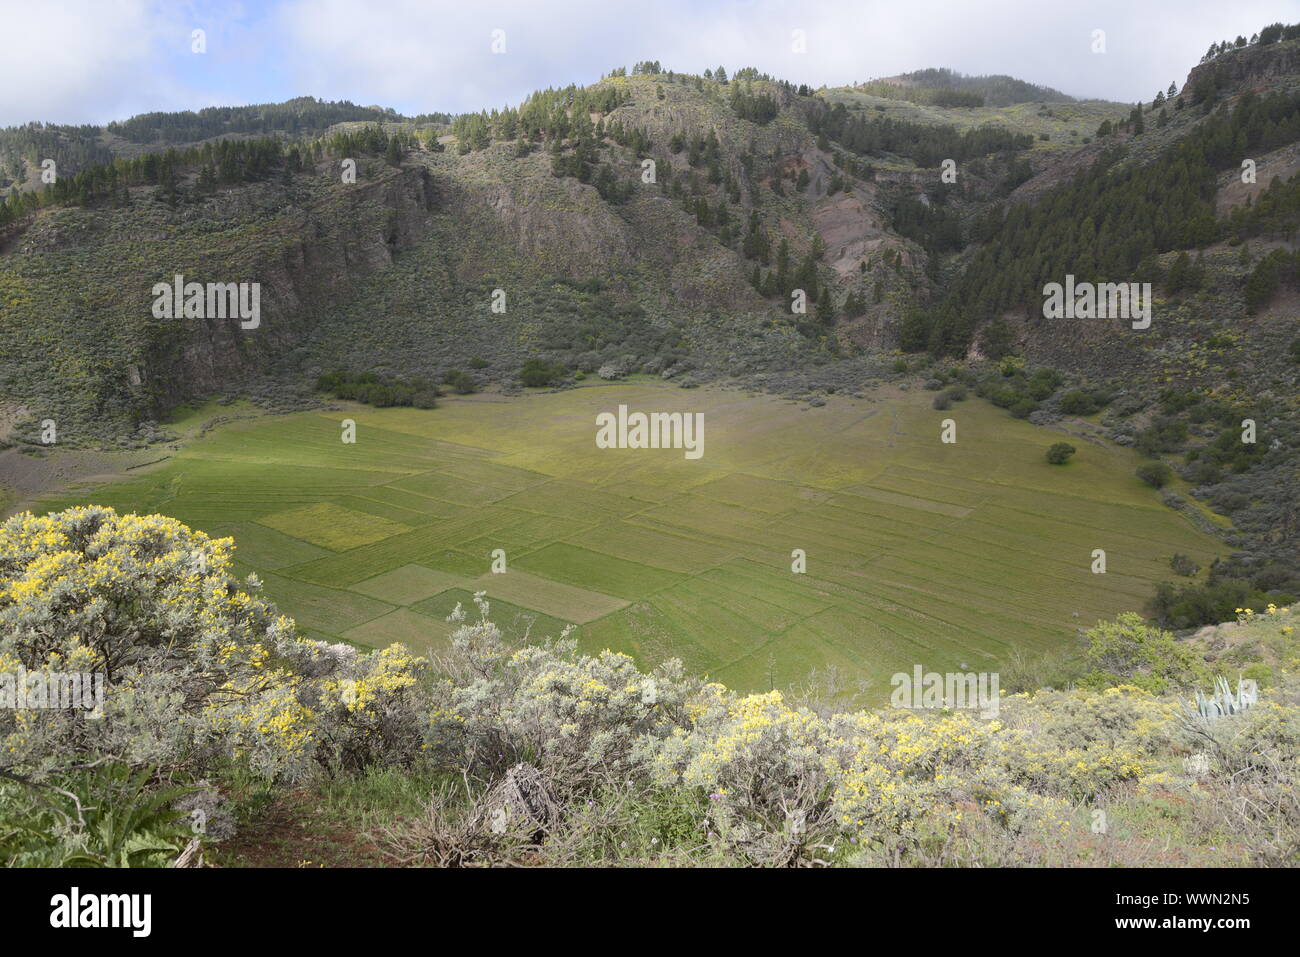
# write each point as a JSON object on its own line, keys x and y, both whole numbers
{"x": 1196, "y": 604}
{"x": 462, "y": 382}
{"x": 537, "y": 373}
{"x": 372, "y": 389}
{"x": 1078, "y": 402}
{"x": 1129, "y": 651}
{"x": 1043, "y": 383}
{"x": 1165, "y": 434}
{"x": 1005, "y": 397}
{"x": 1155, "y": 474}
{"x": 1060, "y": 453}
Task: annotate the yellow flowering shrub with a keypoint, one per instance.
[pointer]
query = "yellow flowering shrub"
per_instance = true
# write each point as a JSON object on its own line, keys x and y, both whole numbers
{"x": 1074, "y": 744}
{"x": 372, "y": 708}
{"x": 191, "y": 664}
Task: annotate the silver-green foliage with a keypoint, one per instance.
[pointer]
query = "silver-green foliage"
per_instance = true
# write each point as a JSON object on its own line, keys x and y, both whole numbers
{"x": 1224, "y": 701}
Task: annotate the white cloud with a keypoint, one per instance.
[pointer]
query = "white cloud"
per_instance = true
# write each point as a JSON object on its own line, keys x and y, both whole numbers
{"x": 73, "y": 61}
{"x": 420, "y": 55}
{"x": 92, "y": 60}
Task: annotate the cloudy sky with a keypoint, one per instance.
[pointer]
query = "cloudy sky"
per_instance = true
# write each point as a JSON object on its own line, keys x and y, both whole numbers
{"x": 90, "y": 61}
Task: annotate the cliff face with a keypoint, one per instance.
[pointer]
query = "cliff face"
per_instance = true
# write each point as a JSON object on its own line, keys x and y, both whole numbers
{"x": 79, "y": 340}
{"x": 317, "y": 251}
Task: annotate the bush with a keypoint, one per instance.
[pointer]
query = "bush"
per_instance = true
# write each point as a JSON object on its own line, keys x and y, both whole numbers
{"x": 1060, "y": 453}
{"x": 195, "y": 668}
{"x": 721, "y": 777}
{"x": 545, "y": 701}
{"x": 565, "y": 757}
{"x": 1195, "y": 604}
{"x": 1155, "y": 474}
{"x": 371, "y": 389}
{"x": 537, "y": 373}
{"x": 942, "y": 401}
{"x": 462, "y": 382}
{"x": 148, "y": 608}
{"x": 1165, "y": 434}
{"x": 1043, "y": 383}
{"x": 1203, "y": 472}
{"x": 1078, "y": 402}
{"x": 1129, "y": 651}
{"x": 1002, "y": 397}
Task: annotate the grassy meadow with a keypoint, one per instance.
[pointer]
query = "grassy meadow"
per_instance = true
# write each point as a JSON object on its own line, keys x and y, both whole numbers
{"x": 954, "y": 556}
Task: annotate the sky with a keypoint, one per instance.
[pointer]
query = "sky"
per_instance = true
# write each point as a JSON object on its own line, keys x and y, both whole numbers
{"x": 92, "y": 61}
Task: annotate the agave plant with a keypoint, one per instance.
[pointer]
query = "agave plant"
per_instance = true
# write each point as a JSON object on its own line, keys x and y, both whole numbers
{"x": 1224, "y": 702}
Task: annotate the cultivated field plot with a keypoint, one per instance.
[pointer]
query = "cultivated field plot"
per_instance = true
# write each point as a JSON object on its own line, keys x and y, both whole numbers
{"x": 949, "y": 556}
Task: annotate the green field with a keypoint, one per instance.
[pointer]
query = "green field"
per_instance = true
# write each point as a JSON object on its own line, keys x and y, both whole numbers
{"x": 950, "y": 556}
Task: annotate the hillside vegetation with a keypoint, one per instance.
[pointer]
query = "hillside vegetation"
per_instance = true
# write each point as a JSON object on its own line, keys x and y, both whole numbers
{"x": 936, "y": 86}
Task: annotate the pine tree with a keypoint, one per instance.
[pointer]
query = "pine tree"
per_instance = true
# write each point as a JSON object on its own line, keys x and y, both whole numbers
{"x": 1179, "y": 273}
{"x": 826, "y": 309}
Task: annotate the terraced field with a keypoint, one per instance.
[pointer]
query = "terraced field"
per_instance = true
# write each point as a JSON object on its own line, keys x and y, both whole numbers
{"x": 947, "y": 555}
